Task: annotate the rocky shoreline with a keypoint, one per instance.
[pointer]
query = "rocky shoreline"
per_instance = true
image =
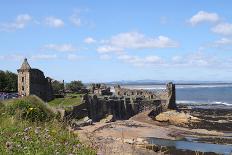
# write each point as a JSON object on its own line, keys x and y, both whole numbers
{"x": 129, "y": 136}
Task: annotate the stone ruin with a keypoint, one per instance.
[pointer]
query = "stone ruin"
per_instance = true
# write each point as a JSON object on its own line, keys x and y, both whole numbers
{"x": 100, "y": 89}
{"x": 32, "y": 81}
{"x": 124, "y": 103}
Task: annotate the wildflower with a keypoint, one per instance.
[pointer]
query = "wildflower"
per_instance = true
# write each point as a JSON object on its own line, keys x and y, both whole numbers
{"x": 46, "y": 130}
{"x": 9, "y": 145}
{"x": 26, "y": 138}
{"x": 27, "y": 129}
{"x": 30, "y": 109}
{"x": 37, "y": 130}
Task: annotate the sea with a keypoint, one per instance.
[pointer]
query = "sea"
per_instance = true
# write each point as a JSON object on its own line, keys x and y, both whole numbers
{"x": 208, "y": 95}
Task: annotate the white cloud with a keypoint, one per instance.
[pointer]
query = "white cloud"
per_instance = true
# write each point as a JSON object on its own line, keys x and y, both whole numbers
{"x": 43, "y": 57}
{"x": 153, "y": 59}
{"x": 76, "y": 19}
{"x": 60, "y": 47}
{"x": 137, "y": 40}
{"x": 89, "y": 40}
{"x": 203, "y": 16}
{"x": 197, "y": 59}
{"x": 134, "y": 40}
{"x": 105, "y": 57}
{"x": 141, "y": 61}
{"x": 14, "y": 57}
{"x": 54, "y": 22}
{"x": 19, "y": 23}
{"x": 224, "y": 41}
{"x": 74, "y": 57}
{"x": 108, "y": 49}
{"x": 223, "y": 29}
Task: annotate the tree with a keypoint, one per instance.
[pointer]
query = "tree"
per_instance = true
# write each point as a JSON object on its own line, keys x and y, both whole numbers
{"x": 12, "y": 81}
{"x": 2, "y": 81}
{"x": 57, "y": 87}
{"x": 8, "y": 81}
{"x": 74, "y": 85}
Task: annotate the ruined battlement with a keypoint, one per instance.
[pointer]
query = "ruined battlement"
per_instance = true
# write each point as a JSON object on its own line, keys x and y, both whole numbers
{"x": 125, "y": 103}
{"x": 100, "y": 89}
{"x": 167, "y": 95}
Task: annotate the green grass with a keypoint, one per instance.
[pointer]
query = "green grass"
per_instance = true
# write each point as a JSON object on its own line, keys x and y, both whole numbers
{"x": 24, "y": 135}
{"x": 69, "y": 100}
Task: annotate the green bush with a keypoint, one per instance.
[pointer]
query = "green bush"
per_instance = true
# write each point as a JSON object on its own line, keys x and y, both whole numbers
{"x": 30, "y": 108}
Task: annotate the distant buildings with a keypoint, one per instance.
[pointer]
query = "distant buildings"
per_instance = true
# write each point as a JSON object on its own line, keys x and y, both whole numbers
{"x": 33, "y": 82}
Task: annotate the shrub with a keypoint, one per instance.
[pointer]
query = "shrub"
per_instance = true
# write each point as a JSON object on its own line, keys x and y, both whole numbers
{"x": 30, "y": 108}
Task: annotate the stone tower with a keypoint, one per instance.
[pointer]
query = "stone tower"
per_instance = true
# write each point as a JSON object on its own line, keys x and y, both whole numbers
{"x": 33, "y": 82}
{"x": 24, "y": 79}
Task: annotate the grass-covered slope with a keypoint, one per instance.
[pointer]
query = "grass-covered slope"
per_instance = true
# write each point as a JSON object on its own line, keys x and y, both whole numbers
{"x": 69, "y": 100}
{"x": 28, "y": 126}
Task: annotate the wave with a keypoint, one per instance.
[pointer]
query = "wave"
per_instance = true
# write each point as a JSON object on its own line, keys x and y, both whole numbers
{"x": 201, "y": 86}
{"x": 152, "y": 87}
{"x": 203, "y": 103}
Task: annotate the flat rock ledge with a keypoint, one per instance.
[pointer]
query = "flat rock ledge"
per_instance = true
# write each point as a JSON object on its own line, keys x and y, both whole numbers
{"x": 175, "y": 117}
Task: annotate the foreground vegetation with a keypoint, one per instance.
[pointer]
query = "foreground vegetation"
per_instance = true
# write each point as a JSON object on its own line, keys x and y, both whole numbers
{"x": 28, "y": 126}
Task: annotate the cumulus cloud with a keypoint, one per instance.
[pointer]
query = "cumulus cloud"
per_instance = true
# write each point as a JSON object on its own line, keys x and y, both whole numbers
{"x": 89, "y": 40}
{"x": 141, "y": 61}
{"x": 13, "y": 57}
{"x": 137, "y": 40}
{"x": 196, "y": 59}
{"x": 43, "y": 57}
{"x": 19, "y": 23}
{"x": 134, "y": 40}
{"x": 105, "y": 57}
{"x": 76, "y": 20}
{"x": 223, "y": 29}
{"x": 222, "y": 44}
{"x": 108, "y": 49}
{"x": 224, "y": 41}
{"x": 203, "y": 16}
{"x": 74, "y": 57}
{"x": 54, "y": 22}
{"x": 60, "y": 47}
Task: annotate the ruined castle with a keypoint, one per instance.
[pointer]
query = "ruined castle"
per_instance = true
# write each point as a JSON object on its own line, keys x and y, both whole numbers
{"x": 33, "y": 82}
{"x": 123, "y": 103}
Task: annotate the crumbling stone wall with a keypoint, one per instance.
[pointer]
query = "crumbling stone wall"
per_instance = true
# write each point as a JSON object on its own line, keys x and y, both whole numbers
{"x": 100, "y": 89}
{"x": 125, "y": 103}
{"x": 167, "y": 96}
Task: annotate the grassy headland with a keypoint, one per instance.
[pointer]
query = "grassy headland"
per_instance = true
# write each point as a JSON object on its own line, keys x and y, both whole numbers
{"x": 28, "y": 126}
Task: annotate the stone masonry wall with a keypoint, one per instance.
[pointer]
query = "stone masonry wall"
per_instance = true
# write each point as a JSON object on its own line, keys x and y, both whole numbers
{"x": 125, "y": 104}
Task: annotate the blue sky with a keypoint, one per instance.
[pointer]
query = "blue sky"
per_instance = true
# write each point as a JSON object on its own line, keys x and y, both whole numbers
{"x": 97, "y": 41}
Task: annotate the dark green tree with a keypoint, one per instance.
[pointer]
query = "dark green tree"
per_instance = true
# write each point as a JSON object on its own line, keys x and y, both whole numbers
{"x": 12, "y": 81}
{"x": 8, "y": 81}
{"x": 2, "y": 81}
{"x": 57, "y": 87}
{"x": 74, "y": 85}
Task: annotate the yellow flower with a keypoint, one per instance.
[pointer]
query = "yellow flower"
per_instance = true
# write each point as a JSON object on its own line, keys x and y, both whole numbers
{"x": 30, "y": 109}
